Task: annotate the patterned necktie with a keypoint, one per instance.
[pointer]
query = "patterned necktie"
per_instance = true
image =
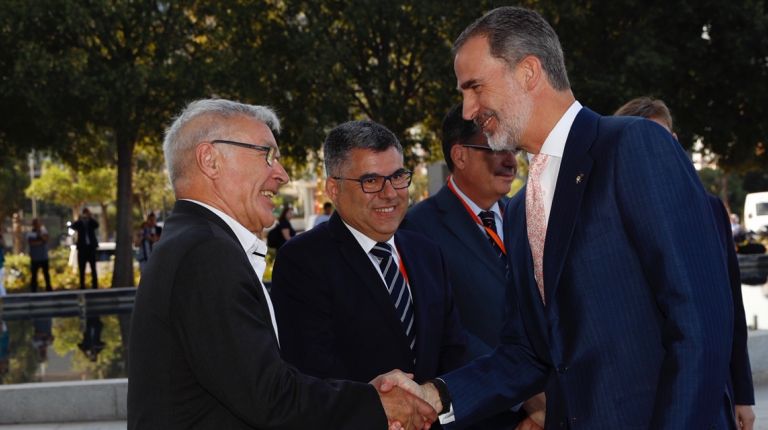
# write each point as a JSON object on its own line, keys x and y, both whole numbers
{"x": 398, "y": 289}
{"x": 489, "y": 220}
{"x": 535, "y": 217}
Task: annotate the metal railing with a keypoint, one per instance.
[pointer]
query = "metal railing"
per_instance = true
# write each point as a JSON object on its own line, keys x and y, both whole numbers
{"x": 82, "y": 303}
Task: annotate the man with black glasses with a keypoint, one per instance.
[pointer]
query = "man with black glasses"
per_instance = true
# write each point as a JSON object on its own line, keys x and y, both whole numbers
{"x": 466, "y": 219}
{"x": 204, "y": 347}
{"x": 354, "y": 299}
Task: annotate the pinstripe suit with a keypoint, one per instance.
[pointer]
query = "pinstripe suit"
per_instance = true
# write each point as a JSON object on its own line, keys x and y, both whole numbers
{"x": 637, "y": 328}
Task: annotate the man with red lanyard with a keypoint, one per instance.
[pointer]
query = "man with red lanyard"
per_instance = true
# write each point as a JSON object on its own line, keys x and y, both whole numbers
{"x": 465, "y": 219}
{"x": 353, "y": 299}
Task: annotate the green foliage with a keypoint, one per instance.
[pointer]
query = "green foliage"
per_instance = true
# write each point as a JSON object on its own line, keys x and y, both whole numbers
{"x": 63, "y": 275}
{"x": 706, "y": 59}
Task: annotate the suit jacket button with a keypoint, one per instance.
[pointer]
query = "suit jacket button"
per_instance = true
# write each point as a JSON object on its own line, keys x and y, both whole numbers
{"x": 562, "y": 369}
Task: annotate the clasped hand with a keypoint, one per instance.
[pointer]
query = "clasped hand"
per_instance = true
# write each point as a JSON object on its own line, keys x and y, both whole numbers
{"x": 403, "y": 401}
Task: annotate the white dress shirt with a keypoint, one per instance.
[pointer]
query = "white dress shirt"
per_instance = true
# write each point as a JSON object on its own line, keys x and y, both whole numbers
{"x": 477, "y": 209}
{"x": 554, "y": 146}
{"x": 367, "y": 244}
{"x": 250, "y": 243}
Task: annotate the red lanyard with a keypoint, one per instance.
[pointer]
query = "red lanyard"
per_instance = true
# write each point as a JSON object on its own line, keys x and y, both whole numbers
{"x": 494, "y": 237}
{"x": 401, "y": 266}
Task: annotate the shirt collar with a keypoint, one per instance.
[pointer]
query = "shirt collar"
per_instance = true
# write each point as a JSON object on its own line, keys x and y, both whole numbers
{"x": 249, "y": 241}
{"x": 554, "y": 145}
{"x": 475, "y": 208}
{"x": 366, "y": 242}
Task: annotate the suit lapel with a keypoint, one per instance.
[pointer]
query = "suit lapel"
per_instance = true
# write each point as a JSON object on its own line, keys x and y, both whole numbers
{"x": 194, "y": 209}
{"x": 368, "y": 278}
{"x": 456, "y": 219}
{"x": 572, "y": 181}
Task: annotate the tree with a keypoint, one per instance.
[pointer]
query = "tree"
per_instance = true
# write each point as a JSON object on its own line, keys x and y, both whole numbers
{"x": 61, "y": 185}
{"x": 85, "y": 73}
{"x": 323, "y": 63}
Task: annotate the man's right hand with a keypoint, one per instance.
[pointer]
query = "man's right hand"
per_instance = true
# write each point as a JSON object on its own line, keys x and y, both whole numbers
{"x": 406, "y": 411}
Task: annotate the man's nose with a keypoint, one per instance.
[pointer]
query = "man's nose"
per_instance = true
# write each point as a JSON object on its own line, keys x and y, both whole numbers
{"x": 279, "y": 173}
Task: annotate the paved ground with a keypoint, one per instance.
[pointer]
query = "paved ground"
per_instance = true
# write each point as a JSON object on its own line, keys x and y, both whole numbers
{"x": 102, "y": 425}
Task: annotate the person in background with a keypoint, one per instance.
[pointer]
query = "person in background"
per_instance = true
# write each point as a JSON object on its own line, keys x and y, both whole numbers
{"x": 466, "y": 219}
{"x": 87, "y": 244}
{"x": 741, "y": 370}
{"x": 37, "y": 238}
{"x": 2, "y": 266}
{"x": 150, "y": 233}
{"x": 325, "y": 216}
{"x": 284, "y": 223}
{"x": 204, "y": 350}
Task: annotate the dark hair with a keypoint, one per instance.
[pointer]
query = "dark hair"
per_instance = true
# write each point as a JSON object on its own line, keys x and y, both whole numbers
{"x": 356, "y": 134}
{"x": 514, "y": 33}
{"x": 284, "y": 212}
{"x": 456, "y": 130}
{"x": 646, "y": 107}
{"x": 327, "y": 205}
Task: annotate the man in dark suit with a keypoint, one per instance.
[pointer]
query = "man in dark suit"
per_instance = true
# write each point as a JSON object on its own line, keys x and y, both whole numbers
{"x": 616, "y": 271}
{"x": 204, "y": 347}
{"x": 352, "y": 297}
{"x": 465, "y": 218}
{"x": 87, "y": 244}
{"x": 741, "y": 370}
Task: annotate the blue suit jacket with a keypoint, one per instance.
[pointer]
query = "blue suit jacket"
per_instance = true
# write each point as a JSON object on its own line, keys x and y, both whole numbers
{"x": 741, "y": 369}
{"x": 478, "y": 276}
{"x": 336, "y": 319}
{"x": 635, "y": 333}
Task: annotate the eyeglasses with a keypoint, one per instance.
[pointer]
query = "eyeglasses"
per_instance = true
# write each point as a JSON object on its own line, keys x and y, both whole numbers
{"x": 272, "y": 154}
{"x": 375, "y": 183}
{"x": 488, "y": 148}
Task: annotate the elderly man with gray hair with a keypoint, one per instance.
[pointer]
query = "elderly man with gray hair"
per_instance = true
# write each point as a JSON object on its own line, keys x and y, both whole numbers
{"x": 204, "y": 346}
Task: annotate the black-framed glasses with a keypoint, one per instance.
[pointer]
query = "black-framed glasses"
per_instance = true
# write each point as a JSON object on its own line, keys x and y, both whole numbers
{"x": 489, "y": 149}
{"x": 271, "y": 151}
{"x": 375, "y": 183}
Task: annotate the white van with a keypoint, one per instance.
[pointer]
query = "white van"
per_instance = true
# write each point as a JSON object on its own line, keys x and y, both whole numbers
{"x": 756, "y": 211}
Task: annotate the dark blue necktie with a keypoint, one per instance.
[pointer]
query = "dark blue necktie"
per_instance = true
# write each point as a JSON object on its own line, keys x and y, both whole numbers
{"x": 398, "y": 289}
{"x": 489, "y": 220}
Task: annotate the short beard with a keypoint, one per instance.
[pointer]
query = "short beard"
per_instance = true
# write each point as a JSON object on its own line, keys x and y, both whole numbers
{"x": 509, "y": 133}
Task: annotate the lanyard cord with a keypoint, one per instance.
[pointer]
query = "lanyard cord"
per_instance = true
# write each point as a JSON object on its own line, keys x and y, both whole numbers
{"x": 492, "y": 234}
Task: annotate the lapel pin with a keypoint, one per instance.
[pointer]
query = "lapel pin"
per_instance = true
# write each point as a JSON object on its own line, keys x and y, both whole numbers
{"x": 579, "y": 178}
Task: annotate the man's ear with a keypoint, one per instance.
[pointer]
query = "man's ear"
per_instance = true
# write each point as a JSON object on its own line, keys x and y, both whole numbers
{"x": 530, "y": 72}
{"x": 459, "y": 156}
{"x": 332, "y": 190}
{"x": 208, "y": 160}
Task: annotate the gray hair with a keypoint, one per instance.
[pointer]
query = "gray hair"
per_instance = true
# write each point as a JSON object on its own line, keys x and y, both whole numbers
{"x": 356, "y": 135}
{"x": 514, "y": 33}
{"x": 181, "y": 138}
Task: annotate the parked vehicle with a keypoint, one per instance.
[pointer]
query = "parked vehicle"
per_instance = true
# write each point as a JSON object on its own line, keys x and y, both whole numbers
{"x": 756, "y": 212}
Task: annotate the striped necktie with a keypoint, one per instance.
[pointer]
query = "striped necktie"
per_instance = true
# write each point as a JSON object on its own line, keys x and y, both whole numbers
{"x": 398, "y": 289}
{"x": 489, "y": 220}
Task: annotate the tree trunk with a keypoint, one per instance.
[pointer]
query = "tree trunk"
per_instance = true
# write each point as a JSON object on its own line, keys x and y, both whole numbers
{"x": 122, "y": 276}
{"x": 18, "y": 237}
{"x": 724, "y": 191}
{"x": 104, "y": 223}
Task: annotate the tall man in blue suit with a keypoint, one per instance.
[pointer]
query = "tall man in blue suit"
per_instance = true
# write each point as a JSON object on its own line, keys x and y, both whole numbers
{"x": 466, "y": 218}
{"x": 618, "y": 307}
{"x": 353, "y": 299}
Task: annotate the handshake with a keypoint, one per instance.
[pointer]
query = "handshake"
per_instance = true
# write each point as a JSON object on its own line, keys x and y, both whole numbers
{"x": 407, "y": 404}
